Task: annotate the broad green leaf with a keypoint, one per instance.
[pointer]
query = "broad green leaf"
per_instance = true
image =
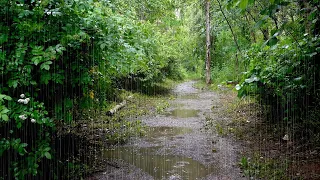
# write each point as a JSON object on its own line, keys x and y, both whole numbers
{"x": 259, "y": 24}
{"x": 19, "y": 125}
{"x": 37, "y": 50}
{"x": 36, "y": 60}
{"x": 5, "y": 111}
{"x": 47, "y": 155}
{"x": 243, "y": 4}
{"x": 5, "y": 117}
{"x": 23, "y": 145}
{"x": 272, "y": 41}
{"x": 8, "y": 98}
{"x": 46, "y": 65}
{"x": 13, "y": 83}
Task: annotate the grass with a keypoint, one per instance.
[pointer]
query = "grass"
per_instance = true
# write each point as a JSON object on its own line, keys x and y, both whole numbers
{"x": 97, "y": 130}
{"x": 241, "y": 119}
{"x": 267, "y": 168}
{"x": 126, "y": 123}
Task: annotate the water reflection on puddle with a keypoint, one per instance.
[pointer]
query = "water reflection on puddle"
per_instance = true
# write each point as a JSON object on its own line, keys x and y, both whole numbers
{"x": 160, "y": 166}
{"x": 165, "y": 132}
{"x": 183, "y": 113}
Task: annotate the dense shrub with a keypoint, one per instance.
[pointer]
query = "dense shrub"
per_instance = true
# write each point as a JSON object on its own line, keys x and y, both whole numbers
{"x": 68, "y": 55}
{"x": 284, "y": 71}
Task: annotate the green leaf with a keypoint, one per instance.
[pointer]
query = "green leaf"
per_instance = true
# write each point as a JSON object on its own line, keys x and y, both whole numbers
{"x": 102, "y": 46}
{"x": 8, "y": 98}
{"x": 37, "y": 51}
{"x": 272, "y": 41}
{"x": 19, "y": 125}
{"x": 33, "y": 82}
{"x": 3, "y": 38}
{"x": 47, "y": 155}
{"x": 5, "y": 117}
{"x": 259, "y": 24}
{"x": 36, "y": 60}
{"x": 4, "y": 111}
{"x": 23, "y": 145}
{"x": 313, "y": 54}
{"x": 45, "y": 78}
{"x": 13, "y": 83}
{"x": 46, "y": 65}
{"x": 243, "y": 4}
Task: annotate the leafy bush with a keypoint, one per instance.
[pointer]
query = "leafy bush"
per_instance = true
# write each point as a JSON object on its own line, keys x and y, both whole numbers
{"x": 68, "y": 55}
{"x": 25, "y": 131}
{"x": 288, "y": 79}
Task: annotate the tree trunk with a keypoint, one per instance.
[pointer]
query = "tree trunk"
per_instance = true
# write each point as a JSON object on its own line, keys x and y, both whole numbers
{"x": 208, "y": 43}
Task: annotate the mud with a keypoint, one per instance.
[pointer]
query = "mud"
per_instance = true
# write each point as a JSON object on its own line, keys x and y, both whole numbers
{"x": 176, "y": 146}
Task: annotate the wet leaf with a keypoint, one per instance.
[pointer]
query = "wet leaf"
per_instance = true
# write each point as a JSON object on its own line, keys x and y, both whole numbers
{"x": 47, "y": 155}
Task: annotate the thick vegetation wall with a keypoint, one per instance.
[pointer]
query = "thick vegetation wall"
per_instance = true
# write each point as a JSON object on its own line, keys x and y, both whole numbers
{"x": 59, "y": 57}
{"x": 273, "y": 55}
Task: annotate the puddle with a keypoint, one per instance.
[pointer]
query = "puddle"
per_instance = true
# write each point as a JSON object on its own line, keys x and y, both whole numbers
{"x": 158, "y": 166}
{"x": 160, "y": 133}
{"x": 163, "y": 131}
{"x": 183, "y": 113}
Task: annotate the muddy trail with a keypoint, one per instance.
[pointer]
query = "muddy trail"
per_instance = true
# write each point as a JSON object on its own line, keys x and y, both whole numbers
{"x": 176, "y": 145}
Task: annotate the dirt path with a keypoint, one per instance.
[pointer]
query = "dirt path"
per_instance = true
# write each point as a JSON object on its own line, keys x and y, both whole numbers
{"x": 176, "y": 146}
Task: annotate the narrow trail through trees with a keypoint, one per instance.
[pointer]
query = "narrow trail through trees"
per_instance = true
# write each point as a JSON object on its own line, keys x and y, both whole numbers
{"x": 176, "y": 146}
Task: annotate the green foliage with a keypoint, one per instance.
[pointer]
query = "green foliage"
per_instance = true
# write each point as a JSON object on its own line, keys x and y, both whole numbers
{"x": 25, "y": 154}
{"x": 283, "y": 72}
{"x": 259, "y": 167}
{"x": 162, "y": 106}
{"x": 120, "y": 132}
{"x": 72, "y": 55}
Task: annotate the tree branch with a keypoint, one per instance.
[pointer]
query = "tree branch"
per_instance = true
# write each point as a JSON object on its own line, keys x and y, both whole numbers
{"x": 234, "y": 37}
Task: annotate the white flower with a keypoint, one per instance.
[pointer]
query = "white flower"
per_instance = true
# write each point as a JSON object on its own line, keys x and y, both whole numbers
{"x": 285, "y": 137}
{"x": 33, "y": 120}
{"x": 26, "y": 101}
{"x": 22, "y": 96}
{"x": 23, "y": 117}
{"x": 20, "y": 100}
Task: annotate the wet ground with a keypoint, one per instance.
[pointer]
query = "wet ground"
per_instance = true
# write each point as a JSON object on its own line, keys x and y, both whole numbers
{"x": 176, "y": 146}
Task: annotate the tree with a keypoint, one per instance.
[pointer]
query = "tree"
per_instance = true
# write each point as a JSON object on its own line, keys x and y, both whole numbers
{"x": 208, "y": 42}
